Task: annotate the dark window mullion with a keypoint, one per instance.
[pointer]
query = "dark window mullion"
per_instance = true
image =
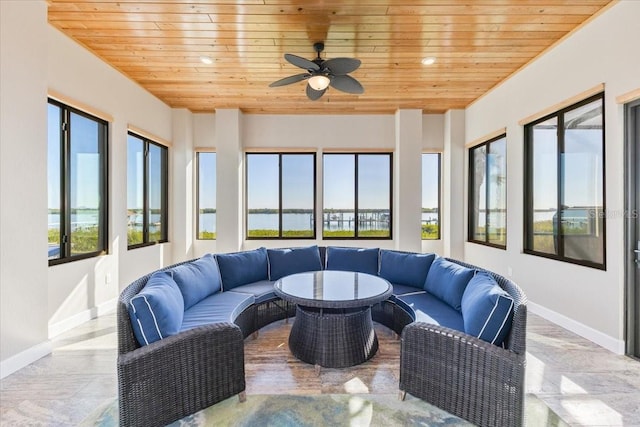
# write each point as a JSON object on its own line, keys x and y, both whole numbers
{"x": 280, "y": 196}
{"x": 356, "y": 213}
{"x": 145, "y": 193}
{"x": 103, "y": 228}
{"x": 487, "y": 208}
{"x": 528, "y": 189}
{"x": 65, "y": 232}
{"x": 390, "y": 157}
{"x": 164, "y": 215}
{"x": 560, "y": 184}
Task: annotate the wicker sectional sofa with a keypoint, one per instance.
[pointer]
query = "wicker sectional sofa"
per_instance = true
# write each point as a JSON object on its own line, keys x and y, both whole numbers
{"x": 181, "y": 330}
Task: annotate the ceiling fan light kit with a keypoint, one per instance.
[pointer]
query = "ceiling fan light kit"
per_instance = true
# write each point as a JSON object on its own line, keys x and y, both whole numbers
{"x": 323, "y": 73}
{"x": 319, "y": 82}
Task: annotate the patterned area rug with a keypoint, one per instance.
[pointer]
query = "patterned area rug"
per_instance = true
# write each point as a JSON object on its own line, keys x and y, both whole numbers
{"x": 326, "y": 410}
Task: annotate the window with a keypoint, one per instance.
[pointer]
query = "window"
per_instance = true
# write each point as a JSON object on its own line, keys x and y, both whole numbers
{"x": 77, "y": 184}
{"x": 206, "y": 199}
{"x": 430, "y": 196}
{"x": 488, "y": 193}
{"x": 357, "y": 196}
{"x": 281, "y": 190}
{"x": 564, "y": 184}
{"x": 147, "y": 201}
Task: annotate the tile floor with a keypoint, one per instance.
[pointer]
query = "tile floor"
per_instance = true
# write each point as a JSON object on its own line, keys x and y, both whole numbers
{"x": 583, "y": 383}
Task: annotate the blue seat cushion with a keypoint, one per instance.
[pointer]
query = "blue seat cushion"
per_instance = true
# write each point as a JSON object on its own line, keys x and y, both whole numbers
{"x": 283, "y": 262}
{"x": 431, "y": 309}
{"x": 197, "y": 279}
{"x": 405, "y": 268}
{"x": 156, "y": 312}
{"x": 487, "y": 309}
{"x": 447, "y": 280}
{"x": 262, "y": 290}
{"x": 404, "y": 289}
{"x": 241, "y": 268}
{"x": 353, "y": 259}
{"x": 219, "y": 307}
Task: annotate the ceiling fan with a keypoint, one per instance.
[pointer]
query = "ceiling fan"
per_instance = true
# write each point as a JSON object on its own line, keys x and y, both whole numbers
{"x": 323, "y": 73}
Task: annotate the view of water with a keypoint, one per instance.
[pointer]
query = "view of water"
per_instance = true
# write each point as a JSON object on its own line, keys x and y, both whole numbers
{"x": 297, "y": 221}
{"x": 303, "y": 221}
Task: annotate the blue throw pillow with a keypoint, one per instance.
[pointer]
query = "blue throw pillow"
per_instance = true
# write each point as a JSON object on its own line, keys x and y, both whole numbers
{"x": 447, "y": 280}
{"x": 407, "y": 269}
{"x": 353, "y": 259}
{"x": 283, "y": 262}
{"x": 157, "y": 311}
{"x": 242, "y": 268}
{"x": 487, "y": 309}
{"x": 197, "y": 279}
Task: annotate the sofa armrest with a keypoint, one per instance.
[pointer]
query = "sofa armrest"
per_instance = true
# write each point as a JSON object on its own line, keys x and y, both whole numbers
{"x": 463, "y": 375}
{"x": 179, "y": 375}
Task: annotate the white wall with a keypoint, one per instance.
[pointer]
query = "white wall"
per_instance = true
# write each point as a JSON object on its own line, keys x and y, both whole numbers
{"x": 586, "y": 300}
{"x": 39, "y": 301}
{"x": 80, "y": 289}
{"x": 23, "y": 184}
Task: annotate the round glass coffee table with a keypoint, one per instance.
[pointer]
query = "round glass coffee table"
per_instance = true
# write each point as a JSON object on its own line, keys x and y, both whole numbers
{"x": 333, "y": 326}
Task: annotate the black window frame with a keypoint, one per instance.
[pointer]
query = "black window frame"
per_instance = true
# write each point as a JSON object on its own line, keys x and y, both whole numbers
{"x": 165, "y": 194}
{"x": 65, "y": 184}
{"x": 439, "y": 237}
{"x": 355, "y": 195}
{"x": 198, "y": 153}
{"x": 528, "y": 185}
{"x": 471, "y": 195}
{"x": 280, "y": 235}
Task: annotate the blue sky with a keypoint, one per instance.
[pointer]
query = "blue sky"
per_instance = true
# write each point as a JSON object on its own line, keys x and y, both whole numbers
{"x": 582, "y": 166}
{"x": 430, "y": 180}
{"x": 207, "y": 179}
{"x": 85, "y": 161}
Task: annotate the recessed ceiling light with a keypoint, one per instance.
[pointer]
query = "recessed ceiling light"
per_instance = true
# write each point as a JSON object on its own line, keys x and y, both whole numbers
{"x": 429, "y": 60}
{"x": 206, "y": 60}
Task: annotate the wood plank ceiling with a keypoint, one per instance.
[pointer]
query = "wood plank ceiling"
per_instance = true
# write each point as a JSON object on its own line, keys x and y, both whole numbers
{"x": 476, "y": 44}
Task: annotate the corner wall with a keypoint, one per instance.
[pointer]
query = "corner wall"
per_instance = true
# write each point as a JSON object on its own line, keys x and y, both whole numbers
{"x": 587, "y": 301}
{"x": 23, "y": 184}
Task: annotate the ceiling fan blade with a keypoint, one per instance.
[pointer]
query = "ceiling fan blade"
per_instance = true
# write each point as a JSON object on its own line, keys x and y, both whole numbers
{"x": 290, "y": 79}
{"x": 341, "y": 66}
{"x": 313, "y": 94}
{"x": 347, "y": 84}
{"x": 301, "y": 62}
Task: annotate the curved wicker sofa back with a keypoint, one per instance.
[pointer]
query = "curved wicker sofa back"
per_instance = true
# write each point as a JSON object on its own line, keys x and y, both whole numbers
{"x": 134, "y": 360}
{"x": 126, "y": 339}
{"x": 516, "y": 340}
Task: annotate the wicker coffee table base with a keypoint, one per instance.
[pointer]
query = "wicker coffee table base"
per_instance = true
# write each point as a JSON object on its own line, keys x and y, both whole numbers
{"x": 333, "y": 338}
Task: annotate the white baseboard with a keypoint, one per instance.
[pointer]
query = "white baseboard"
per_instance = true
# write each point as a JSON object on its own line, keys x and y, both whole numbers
{"x": 62, "y": 326}
{"x": 24, "y": 358}
{"x": 614, "y": 345}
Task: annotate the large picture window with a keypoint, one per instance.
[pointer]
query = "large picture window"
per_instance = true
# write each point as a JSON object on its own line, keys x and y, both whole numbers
{"x": 430, "y": 196}
{"x": 280, "y": 193}
{"x": 564, "y": 184}
{"x": 77, "y": 184}
{"x": 488, "y": 193}
{"x": 147, "y": 200}
{"x": 357, "y": 196}
{"x": 206, "y": 199}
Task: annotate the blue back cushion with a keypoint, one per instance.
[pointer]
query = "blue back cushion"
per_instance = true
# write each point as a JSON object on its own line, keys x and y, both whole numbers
{"x": 353, "y": 259}
{"x": 197, "y": 279}
{"x": 157, "y": 311}
{"x": 402, "y": 268}
{"x": 283, "y": 262}
{"x": 447, "y": 280}
{"x": 242, "y": 268}
{"x": 487, "y": 309}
